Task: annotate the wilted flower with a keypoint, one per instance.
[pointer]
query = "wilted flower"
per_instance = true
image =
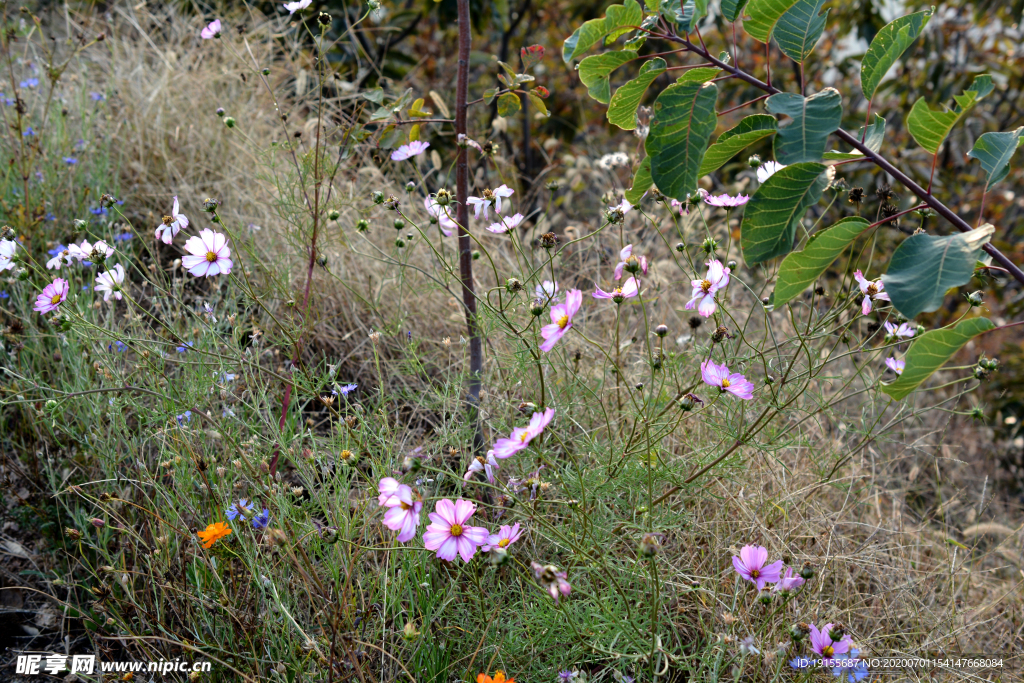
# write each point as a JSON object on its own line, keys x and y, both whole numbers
{"x": 85, "y": 251}
{"x": 561, "y": 320}
{"x": 725, "y": 201}
{"x": 768, "y": 169}
{"x": 413, "y": 149}
{"x": 705, "y": 290}
{"x": 499, "y": 193}
{"x": 404, "y": 515}
{"x": 209, "y": 254}
{"x": 553, "y": 581}
{"x": 751, "y": 566}
{"x": 522, "y": 436}
{"x": 110, "y": 281}
{"x": 788, "y": 583}
{"x": 735, "y": 383}
{"x": 486, "y": 465}
{"x": 506, "y": 536}
{"x": 448, "y": 533}
{"x": 747, "y": 646}
{"x": 624, "y": 254}
{"x": 171, "y": 225}
{"x": 52, "y": 296}
{"x": 212, "y": 30}
{"x": 871, "y": 291}
{"x": 895, "y": 365}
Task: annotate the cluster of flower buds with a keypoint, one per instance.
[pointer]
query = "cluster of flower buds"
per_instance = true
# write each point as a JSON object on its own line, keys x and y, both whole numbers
{"x": 985, "y": 367}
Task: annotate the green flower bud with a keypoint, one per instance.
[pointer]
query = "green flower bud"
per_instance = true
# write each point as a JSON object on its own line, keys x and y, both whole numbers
{"x": 333, "y": 214}
{"x": 229, "y": 122}
{"x": 399, "y": 224}
{"x": 754, "y": 161}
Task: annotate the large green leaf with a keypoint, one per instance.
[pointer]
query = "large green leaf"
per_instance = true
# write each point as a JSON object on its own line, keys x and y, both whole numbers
{"x": 624, "y": 103}
{"x": 925, "y": 267}
{"x": 731, "y": 9}
{"x": 764, "y": 14}
{"x": 747, "y": 132}
{"x": 994, "y": 151}
{"x": 618, "y": 19}
{"x": 930, "y": 128}
{"x": 889, "y": 45}
{"x": 801, "y": 268}
{"x": 509, "y": 104}
{"x": 699, "y": 75}
{"x": 799, "y": 29}
{"x": 684, "y": 119}
{"x": 871, "y": 135}
{"x": 771, "y": 216}
{"x": 595, "y": 72}
{"x": 930, "y": 351}
{"x": 814, "y": 119}
{"x": 642, "y": 182}
{"x": 692, "y": 11}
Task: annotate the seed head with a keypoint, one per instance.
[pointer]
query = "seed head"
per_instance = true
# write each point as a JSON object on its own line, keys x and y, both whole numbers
{"x": 549, "y": 240}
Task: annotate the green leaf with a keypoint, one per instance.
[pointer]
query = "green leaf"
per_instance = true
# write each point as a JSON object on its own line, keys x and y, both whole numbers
{"x": 872, "y": 135}
{"x": 642, "y": 182}
{"x": 684, "y": 119}
{"x": 538, "y": 103}
{"x": 623, "y": 105}
{"x": 930, "y": 128}
{"x": 595, "y": 72}
{"x": 930, "y": 351}
{"x": 764, "y": 14}
{"x": 994, "y": 151}
{"x": 814, "y": 119}
{"x": 509, "y": 104}
{"x": 889, "y": 45}
{"x": 801, "y": 268}
{"x": 771, "y": 216}
{"x": 799, "y": 29}
{"x": 617, "y": 20}
{"x": 692, "y": 11}
{"x": 925, "y": 267}
{"x": 731, "y": 9}
{"x": 747, "y": 132}
{"x": 699, "y": 75}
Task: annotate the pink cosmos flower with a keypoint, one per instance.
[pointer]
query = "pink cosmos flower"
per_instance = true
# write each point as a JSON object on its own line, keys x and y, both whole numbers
{"x": 553, "y": 581}
{"x": 110, "y": 281}
{"x": 719, "y": 376}
{"x": 623, "y": 255}
{"x": 210, "y": 254}
{"x": 904, "y": 331}
{"x": 211, "y": 31}
{"x": 768, "y": 169}
{"x": 413, "y": 149}
{"x": 561, "y": 320}
{"x": 488, "y": 466}
{"x": 294, "y": 7}
{"x": 501, "y": 192}
{"x": 628, "y": 290}
{"x": 521, "y": 437}
{"x": 52, "y": 296}
{"x": 789, "y": 582}
{"x": 871, "y": 291}
{"x": 725, "y": 201}
{"x": 171, "y": 225}
{"x": 895, "y": 365}
{"x": 437, "y": 211}
{"x": 704, "y": 290}
{"x": 751, "y": 566}
{"x": 83, "y": 251}
{"x": 448, "y": 533}
{"x": 822, "y": 643}
{"x": 479, "y": 204}
{"x": 547, "y": 291}
{"x": 404, "y": 515}
{"x": 506, "y": 224}
{"x": 624, "y": 206}
{"x": 7, "y": 249}
{"x": 506, "y": 536}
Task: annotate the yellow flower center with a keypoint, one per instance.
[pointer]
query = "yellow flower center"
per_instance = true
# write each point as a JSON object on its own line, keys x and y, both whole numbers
{"x": 828, "y": 650}
{"x": 503, "y": 543}
{"x": 406, "y": 506}
{"x": 725, "y": 385}
{"x": 754, "y": 572}
{"x": 705, "y": 286}
{"x": 456, "y": 530}
{"x": 168, "y": 220}
{"x": 872, "y": 290}
{"x": 55, "y": 299}
{"x": 524, "y": 436}
{"x": 211, "y": 257}
{"x": 563, "y": 321}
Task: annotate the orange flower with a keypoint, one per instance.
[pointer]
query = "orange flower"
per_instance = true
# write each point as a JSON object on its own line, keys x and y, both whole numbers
{"x": 214, "y": 532}
{"x": 499, "y": 677}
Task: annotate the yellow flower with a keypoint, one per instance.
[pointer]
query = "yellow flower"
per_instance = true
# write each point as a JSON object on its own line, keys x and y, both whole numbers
{"x": 214, "y": 532}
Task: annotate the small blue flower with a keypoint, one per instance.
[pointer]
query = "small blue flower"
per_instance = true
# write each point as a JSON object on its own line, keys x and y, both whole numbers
{"x": 4, "y": 294}
{"x": 119, "y": 345}
{"x": 243, "y": 507}
{"x": 28, "y": 132}
{"x": 184, "y": 417}
{"x": 185, "y": 347}
{"x": 51, "y": 217}
{"x": 345, "y": 390}
{"x": 10, "y": 101}
{"x": 226, "y": 377}
{"x": 98, "y": 211}
{"x": 567, "y": 675}
{"x": 29, "y": 83}
{"x": 80, "y": 145}
{"x": 123, "y": 237}
{"x": 97, "y": 96}
{"x": 70, "y": 161}
{"x": 261, "y": 520}
{"x": 56, "y": 250}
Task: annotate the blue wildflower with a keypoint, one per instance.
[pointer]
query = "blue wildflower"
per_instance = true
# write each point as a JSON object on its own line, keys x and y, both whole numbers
{"x": 567, "y": 675}
{"x": 10, "y": 101}
{"x": 185, "y": 347}
{"x": 4, "y": 294}
{"x": 97, "y": 96}
{"x": 123, "y": 237}
{"x": 56, "y": 250}
{"x": 70, "y": 161}
{"x": 226, "y": 377}
{"x": 261, "y": 520}
{"x": 98, "y": 211}
{"x": 51, "y": 217}
{"x": 242, "y": 508}
{"x": 184, "y": 417}
{"x": 854, "y": 670}
{"x": 345, "y": 390}
{"x": 28, "y": 132}
{"x": 119, "y": 345}
{"x": 29, "y": 83}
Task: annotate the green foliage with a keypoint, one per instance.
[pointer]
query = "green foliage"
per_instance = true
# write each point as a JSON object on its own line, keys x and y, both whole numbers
{"x": 800, "y": 28}
{"x": 888, "y": 46}
{"x": 509, "y": 104}
{"x": 924, "y": 267}
{"x": 616, "y": 21}
{"x": 930, "y": 128}
{"x": 732, "y": 9}
{"x": 773, "y": 213}
{"x": 642, "y": 182}
{"x": 764, "y": 15}
{"x": 930, "y": 352}
{"x": 624, "y": 103}
{"x": 801, "y": 268}
{"x": 748, "y": 131}
{"x": 684, "y": 120}
{"x": 814, "y": 119}
{"x": 871, "y": 135}
{"x": 994, "y": 151}
{"x": 595, "y": 72}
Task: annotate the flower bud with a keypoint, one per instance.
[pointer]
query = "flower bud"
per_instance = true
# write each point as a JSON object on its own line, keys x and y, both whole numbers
{"x": 657, "y": 360}
{"x": 754, "y": 161}
{"x": 73, "y": 534}
{"x": 476, "y": 254}
{"x": 220, "y": 112}
{"x": 362, "y": 225}
{"x": 680, "y": 247}
{"x": 410, "y": 186}
{"x": 536, "y": 308}
{"x": 80, "y": 224}
{"x": 980, "y": 373}
{"x": 650, "y": 545}
{"x": 7, "y": 232}
{"x": 807, "y": 571}
{"x": 686, "y": 403}
{"x": 731, "y": 265}
{"x": 764, "y": 597}
{"x": 975, "y": 298}
{"x": 98, "y": 523}
{"x": 989, "y": 363}
{"x": 799, "y": 631}
{"x": 377, "y": 197}
{"x": 552, "y": 185}
{"x": 324, "y": 19}
{"x": 443, "y": 197}
{"x": 229, "y": 122}
{"x": 399, "y": 243}
{"x": 399, "y": 224}
{"x": 410, "y": 632}
{"x": 549, "y": 240}
{"x": 709, "y": 245}
{"x": 513, "y": 285}
{"x": 977, "y": 413}
{"x": 210, "y": 205}
{"x": 499, "y": 556}
{"x": 661, "y": 330}
{"x": 333, "y": 214}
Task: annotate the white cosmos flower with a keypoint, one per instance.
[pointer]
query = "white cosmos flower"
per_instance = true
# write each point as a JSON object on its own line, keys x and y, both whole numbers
{"x": 209, "y": 254}
{"x": 768, "y": 169}
{"x": 7, "y": 249}
{"x": 171, "y": 225}
{"x": 110, "y": 281}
